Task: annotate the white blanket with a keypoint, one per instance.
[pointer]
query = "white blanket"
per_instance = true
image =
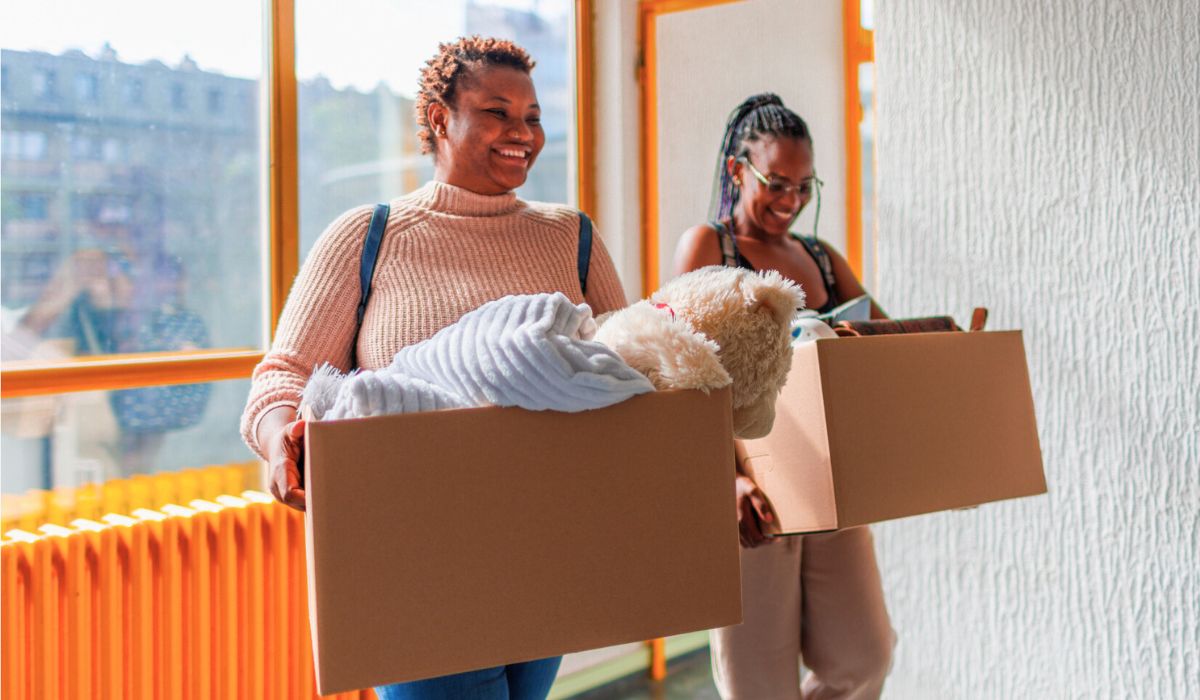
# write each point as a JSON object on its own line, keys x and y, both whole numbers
{"x": 532, "y": 351}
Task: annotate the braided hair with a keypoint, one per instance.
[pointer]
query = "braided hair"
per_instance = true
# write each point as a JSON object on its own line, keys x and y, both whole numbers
{"x": 760, "y": 115}
{"x": 445, "y": 72}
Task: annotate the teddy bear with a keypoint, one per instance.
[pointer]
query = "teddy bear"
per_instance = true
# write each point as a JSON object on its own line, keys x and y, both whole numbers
{"x": 710, "y": 328}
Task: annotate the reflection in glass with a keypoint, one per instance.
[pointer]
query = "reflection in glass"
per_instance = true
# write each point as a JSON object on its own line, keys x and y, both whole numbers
{"x": 132, "y": 207}
{"x": 67, "y": 440}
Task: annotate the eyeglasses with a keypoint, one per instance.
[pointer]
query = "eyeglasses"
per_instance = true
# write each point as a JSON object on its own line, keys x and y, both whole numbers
{"x": 777, "y": 188}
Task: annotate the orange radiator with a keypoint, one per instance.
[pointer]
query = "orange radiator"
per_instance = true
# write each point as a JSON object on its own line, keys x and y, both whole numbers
{"x": 203, "y": 601}
{"x": 32, "y": 509}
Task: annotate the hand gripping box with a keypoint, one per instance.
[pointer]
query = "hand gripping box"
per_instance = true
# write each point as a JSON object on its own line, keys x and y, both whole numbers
{"x": 455, "y": 540}
{"x": 881, "y": 427}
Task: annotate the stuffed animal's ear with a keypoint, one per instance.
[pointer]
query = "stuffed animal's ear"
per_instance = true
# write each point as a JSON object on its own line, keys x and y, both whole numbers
{"x": 781, "y": 297}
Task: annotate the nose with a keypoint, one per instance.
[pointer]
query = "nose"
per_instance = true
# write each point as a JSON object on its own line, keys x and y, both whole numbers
{"x": 520, "y": 131}
{"x": 792, "y": 200}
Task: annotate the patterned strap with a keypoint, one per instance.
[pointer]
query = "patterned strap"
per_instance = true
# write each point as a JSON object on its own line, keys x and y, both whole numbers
{"x": 729, "y": 251}
{"x": 817, "y": 251}
{"x": 366, "y": 270}
{"x": 584, "y": 257}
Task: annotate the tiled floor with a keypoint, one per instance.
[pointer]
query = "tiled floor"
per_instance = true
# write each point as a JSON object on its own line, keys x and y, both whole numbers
{"x": 690, "y": 678}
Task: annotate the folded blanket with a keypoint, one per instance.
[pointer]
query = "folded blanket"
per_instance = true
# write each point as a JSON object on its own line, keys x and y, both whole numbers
{"x": 532, "y": 351}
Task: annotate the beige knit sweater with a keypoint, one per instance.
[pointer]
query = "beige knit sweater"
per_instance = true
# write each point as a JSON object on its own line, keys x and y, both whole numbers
{"x": 445, "y": 252}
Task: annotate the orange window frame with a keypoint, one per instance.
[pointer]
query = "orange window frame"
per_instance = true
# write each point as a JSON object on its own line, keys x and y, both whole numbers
{"x": 33, "y": 378}
{"x": 858, "y": 47}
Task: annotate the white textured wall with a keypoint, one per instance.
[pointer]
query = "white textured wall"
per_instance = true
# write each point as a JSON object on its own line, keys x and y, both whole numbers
{"x": 1041, "y": 158}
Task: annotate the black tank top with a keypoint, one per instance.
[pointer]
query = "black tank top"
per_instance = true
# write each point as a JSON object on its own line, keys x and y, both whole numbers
{"x": 732, "y": 257}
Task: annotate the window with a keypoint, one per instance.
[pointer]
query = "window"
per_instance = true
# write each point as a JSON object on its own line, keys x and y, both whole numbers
{"x": 128, "y": 235}
{"x": 216, "y": 101}
{"x": 357, "y": 130}
{"x": 156, "y": 242}
{"x": 44, "y": 84}
{"x": 111, "y": 151}
{"x": 33, "y": 206}
{"x": 85, "y": 147}
{"x": 87, "y": 87}
{"x": 132, "y": 91}
{"x": 24, "y": 145}
{"x": 178, "y": 97}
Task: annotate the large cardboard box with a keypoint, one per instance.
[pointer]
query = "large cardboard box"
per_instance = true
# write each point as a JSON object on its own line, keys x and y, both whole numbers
{"x": 882, "y": 427}
{"x": 454, "y": 540}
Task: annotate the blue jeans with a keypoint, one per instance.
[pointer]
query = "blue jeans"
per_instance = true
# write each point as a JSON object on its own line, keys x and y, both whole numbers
{"x": 525, "y": 681}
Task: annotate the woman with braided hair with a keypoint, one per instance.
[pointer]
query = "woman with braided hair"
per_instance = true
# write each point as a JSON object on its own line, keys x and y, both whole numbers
{"x": 458, "y": 242}
{"x": 816, "y": 598}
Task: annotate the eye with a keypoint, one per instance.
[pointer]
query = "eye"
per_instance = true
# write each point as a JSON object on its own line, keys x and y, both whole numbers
{"x": 776, "y": 187}
{"x": 497, "y": 112}
{"x": 534, "y": 120}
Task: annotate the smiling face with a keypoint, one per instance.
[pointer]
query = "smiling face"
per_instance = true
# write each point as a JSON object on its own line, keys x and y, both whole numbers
{"x": 490, "y": 137}
{"x": 784, "y": 161}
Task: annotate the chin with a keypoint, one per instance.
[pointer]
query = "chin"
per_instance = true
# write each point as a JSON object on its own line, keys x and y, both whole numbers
{"x": 509, "y": 182}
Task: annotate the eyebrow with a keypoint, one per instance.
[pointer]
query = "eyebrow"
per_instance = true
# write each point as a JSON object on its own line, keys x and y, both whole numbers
{"x": 505, "y": 100}
{"x": 788, "y": 179}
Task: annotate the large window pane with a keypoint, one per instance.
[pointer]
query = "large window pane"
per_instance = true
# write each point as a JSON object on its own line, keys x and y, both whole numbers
{"x": 358, "y": 64}
{"x": 68, "y": 440}
{"x": 131, "y": 177}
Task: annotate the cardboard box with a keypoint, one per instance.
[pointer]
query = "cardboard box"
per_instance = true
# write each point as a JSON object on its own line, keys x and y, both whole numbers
{"x": 882, "y": 427}
{"x": 455, "y": 540}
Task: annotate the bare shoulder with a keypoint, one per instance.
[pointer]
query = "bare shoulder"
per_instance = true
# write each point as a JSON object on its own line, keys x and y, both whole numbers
{"x": 698, "y": 247}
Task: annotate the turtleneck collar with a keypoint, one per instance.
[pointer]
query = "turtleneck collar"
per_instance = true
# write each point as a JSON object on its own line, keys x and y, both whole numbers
{"x": 449, "y": 199}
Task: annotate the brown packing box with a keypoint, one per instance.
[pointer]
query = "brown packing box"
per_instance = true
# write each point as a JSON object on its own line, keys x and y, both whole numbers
{"x": 454, "y": 540}
{"x": 882, "y": 427}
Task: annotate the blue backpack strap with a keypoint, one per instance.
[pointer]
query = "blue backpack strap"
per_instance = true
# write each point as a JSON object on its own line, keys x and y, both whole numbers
{"x": 584, "y": 258}
{"x": 366, "y": 270}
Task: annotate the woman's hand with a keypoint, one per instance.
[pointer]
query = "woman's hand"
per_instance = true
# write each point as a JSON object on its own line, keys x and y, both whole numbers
{"x": 285, "y": 458}
{"x": 753, "y": 512}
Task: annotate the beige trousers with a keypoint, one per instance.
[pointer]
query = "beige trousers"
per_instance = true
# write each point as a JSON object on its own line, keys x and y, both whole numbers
{"x": 816, "y": 599}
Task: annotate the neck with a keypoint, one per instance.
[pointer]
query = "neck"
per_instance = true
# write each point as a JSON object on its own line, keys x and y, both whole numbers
{"x": 744, "y": 227}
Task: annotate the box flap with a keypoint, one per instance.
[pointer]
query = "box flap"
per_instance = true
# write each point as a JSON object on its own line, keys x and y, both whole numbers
{"x": 885, "y": 396}
{"x": 792, "y": 464}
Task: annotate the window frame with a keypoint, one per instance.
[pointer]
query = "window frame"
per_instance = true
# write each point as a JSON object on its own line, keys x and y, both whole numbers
{"x": 282, "y": 234}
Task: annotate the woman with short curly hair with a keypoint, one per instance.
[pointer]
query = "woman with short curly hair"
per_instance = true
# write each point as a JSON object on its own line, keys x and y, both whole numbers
{"x": 458, "y": 242}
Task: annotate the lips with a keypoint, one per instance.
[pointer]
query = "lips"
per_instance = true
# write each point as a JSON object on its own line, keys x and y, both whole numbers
{"x": 783, "y": 215}
{"x": 513, "y": 155}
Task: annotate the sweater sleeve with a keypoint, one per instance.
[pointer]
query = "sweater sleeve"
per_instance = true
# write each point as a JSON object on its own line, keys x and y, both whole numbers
{"x": 317, "y": 325}
{"x": 604, "y": 286}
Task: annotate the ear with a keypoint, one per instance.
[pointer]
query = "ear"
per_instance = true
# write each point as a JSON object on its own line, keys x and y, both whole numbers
{"x": 734, "y": 167}
{"x": 780, "y": 297}
{"x": 438, "y": 117}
